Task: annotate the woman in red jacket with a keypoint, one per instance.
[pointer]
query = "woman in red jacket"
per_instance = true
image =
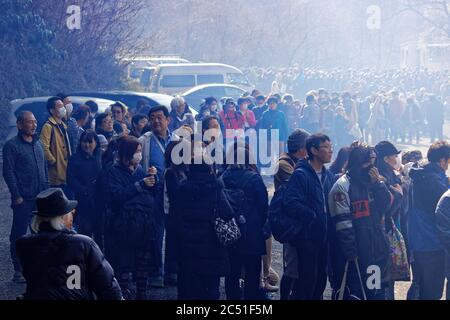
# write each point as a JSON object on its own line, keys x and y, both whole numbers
{"x": 232, "y": 119}
{"x": 249, "y": 116}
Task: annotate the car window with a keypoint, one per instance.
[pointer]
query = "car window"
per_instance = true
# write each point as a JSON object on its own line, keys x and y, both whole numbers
{"x": 233, "y": 92}
{"x": 237, "y": 78}
{"x": 178, "y": 81}
{"x": 209, "y": 78}
{"x": 131, "y": 101}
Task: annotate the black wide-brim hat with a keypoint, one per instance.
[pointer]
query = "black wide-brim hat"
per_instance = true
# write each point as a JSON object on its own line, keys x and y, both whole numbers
{"x": 52, "y": 203}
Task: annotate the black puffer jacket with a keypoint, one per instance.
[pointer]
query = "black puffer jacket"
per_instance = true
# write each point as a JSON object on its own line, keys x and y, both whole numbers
{"x": 256, "y": 194}
{"x": 198, "y": 249}
{"x": 47, "y": 259}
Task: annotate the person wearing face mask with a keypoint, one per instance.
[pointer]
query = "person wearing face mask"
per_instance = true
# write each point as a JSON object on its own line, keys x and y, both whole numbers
{"x": 55, "y": 140}
{"x": 249, "y": 116}
{"x": 130, "y": 226}
{"x": 429, "y": 183}
{"x": 55, "y": 244}
{"x": 358, "y": 202}
{"x": 389, "y": 165}
{"x": 72, "y": 127}
{"x": 232, "y": 118}
{"x": 82, "y": 172}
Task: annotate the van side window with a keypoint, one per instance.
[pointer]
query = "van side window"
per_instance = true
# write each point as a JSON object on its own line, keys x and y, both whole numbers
{"x": 209, "y": 78}
{"x": 237, "y": 78}
{"x": 178, "y": 81}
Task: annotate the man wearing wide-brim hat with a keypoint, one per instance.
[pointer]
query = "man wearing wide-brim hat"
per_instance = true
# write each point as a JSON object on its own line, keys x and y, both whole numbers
{"x": 58, "y": 263}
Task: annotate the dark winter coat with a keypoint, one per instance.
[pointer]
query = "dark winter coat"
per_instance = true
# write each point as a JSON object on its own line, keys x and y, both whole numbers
{"x": 131, "y": 224}
{"x": 357, "y": 211}
{"x": 24, "y": 168}
{"x": 198, "y": 200}
{"x": 306, "y": 199}
{"x": 443, "y": 220}
{"x": 82, "y": 173}
{"x": 274, "y": 119}
{"x": 429, "y": 184}
{"x": 256, "y": 193}
{"x": 46, "y": 258}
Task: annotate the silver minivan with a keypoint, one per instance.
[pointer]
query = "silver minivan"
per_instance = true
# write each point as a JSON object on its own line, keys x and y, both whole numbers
{"x": 177, "y": 78}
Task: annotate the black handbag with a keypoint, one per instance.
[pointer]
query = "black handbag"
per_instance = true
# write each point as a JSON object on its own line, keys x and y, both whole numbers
{"x": 227, "y": 232}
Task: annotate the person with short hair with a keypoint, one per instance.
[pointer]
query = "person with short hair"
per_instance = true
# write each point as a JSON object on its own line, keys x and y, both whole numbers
{"x": 104, "y": 125}
{"x": 430, "y": 182}
{"x": 93, "y": 110}
{"x": 305, "y": 200}
{"x": 119, "y": 113}
{"x": 154, "y": 144}
{"x": 82, "y": 172}
{"x": 139, "y": 124}
{"x": 54, "y": 252}
{"x": 55, "y": 140}
{"x": 25, "y": 174}
{"x": 286, "y": 166}
{"x": 180, "y": 114}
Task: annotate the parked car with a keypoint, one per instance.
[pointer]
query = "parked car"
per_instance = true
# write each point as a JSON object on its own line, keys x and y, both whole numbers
{"x": 131, "y": 98}
{"x": 177, "y": 78}
{"x": 38, "y": 105}
{"x": 195, "y": 96}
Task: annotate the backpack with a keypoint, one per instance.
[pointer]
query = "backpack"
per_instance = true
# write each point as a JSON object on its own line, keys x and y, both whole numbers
{"x": 284, "y": 228}
{"x": 239, "y": 201}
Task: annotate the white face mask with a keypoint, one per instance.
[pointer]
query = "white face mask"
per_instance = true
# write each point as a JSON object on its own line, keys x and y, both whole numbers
{"x": 69, "y": 108}
{"x": 62, "y": 112}
{"x": 398, "y": 164}
{"x": 137, "y": 157}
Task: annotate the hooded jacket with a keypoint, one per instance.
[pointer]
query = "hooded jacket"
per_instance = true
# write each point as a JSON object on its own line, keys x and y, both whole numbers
{"x": 429, "y": 183}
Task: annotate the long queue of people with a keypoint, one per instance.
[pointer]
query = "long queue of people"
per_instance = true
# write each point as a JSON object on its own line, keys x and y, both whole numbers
{"x": 137, "y": 203}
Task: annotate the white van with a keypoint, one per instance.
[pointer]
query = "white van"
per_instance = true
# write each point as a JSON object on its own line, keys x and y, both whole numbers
{"x": 177, "y": 78}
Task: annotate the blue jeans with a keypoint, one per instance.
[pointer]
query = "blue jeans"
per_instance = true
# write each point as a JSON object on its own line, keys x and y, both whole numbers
{"x": 22, "y": 214}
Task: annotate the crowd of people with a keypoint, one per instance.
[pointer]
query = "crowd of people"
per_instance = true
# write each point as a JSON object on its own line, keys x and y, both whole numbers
{"x": 106, "y": 194}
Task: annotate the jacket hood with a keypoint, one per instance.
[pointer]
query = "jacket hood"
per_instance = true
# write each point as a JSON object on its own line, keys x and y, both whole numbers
{"x": 425, "y": 172}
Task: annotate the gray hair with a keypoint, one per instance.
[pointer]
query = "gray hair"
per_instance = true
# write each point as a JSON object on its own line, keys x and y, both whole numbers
{"x": 55, "y": 222}
{"x": 176, "y": 102}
